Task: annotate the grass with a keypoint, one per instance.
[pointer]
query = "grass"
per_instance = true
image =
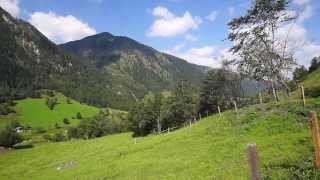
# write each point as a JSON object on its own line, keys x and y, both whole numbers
{"x": 213, "y": 148}
{"x": 35, "y": 112}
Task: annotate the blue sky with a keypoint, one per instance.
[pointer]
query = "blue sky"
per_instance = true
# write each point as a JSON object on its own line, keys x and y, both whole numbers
{"x": 191, "y": 29}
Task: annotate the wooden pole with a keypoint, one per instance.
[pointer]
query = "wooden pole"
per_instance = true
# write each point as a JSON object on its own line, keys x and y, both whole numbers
{"x": 199, "y": 116}
{"x": 275, "y": 94}
{"x": 315, "y": 138}
{"x": 302, "y": 96}
{"x": 207, "y": 113}
{"x": 158, "y": 125}
{"x": 190, "y": 123}
{"x": 219, "y": 111}
{"x": 235, "y": 106}
{"x": 260, "y": 98}
{"x": 135, "y": 140}
{"x": 253, "y": 159}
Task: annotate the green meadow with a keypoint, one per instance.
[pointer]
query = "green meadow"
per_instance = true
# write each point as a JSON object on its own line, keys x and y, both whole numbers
{"x": 35, "y": 112}
{"x": 213, "y": 148}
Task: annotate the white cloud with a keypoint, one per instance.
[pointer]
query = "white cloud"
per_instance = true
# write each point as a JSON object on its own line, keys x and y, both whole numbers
{"x": 295, "y": 34}
{"x": 60, "y": 28}
{"x": 212, "y": 16}
{"x": 301, "y": 2}
{"x": 167, "y": 24}
{"x": 201, "y": 56}
{"x": 191, "y": 38}
{"x": 12, "y": 6}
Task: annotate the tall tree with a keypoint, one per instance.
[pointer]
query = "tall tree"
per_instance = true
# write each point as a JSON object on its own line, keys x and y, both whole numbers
{"x": 219, "y": 88}
{"x": 263, "y": 55}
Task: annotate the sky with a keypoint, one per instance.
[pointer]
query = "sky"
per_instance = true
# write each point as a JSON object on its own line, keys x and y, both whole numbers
{"x": 190, "y": 29}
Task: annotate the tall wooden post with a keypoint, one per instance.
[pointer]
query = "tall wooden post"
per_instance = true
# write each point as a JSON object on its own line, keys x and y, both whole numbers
{"x": 253, "y": 159}
{"x": 199, "y": 116}
{"x": 302, "y": 96}
{"x": 275, "y": 94}
{"x": 207, "y": 113}
{"x": 260, "y": 98}
{"x": 235, "y": 106}
{"x": 315, "y": 138}
{"x": 158, "y": 125}
{"x": 219, "y": 110}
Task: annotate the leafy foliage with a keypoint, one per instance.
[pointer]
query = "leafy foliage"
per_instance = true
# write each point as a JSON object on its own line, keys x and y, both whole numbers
{"x": 9, "y": 136}
{"x": 220, "y": 87}
{"x": 156, "y": 111}
{"x": 263, "y": 56}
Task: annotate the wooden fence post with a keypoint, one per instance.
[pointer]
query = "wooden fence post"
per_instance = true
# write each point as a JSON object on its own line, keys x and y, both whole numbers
{"x": 302, "y": 96}
{"x": 207, "y": 113}
{"x": 253, "y": 159}
{"x": 260, "y": 98}
{"x": 235, "y": 106}
{"x": 158, "y": 126}
{"x": 199, "y": 116}
{"x": 315, "y": 138}
{"x": 275, "y": 94}
{"x": 219, "y": 110}
{"x": 190, "y": 123}
{"x": 135, "y": 140}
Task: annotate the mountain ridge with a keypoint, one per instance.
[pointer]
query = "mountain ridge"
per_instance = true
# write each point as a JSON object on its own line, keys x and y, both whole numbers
{"x": 30, "y": 61}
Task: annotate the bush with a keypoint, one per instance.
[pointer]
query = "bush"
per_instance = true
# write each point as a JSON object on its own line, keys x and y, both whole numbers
{"x": 66, "y": 121}
{"x": 57, "y": 137}
{"x": 79, "y": 116}
{"x": 9, "y": 136}
{"x": 51, "y": 102}
{"x": 313, "y": 92}
{"x": 23, "y": 145}
{"x": 40, "y": 130}
{"x": 57, "y": 126}
{"x": 68, "y": 101}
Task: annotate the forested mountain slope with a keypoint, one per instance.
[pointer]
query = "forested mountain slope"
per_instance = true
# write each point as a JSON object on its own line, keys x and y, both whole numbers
{"x": 133, "y": 68}
{"x": 29, "y": 61}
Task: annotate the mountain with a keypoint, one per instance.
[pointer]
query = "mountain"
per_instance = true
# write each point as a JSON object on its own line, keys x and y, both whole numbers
{"x": 112, "y": 71}
{"x": 134, "y": 68}
{"x": 29, "y": 61}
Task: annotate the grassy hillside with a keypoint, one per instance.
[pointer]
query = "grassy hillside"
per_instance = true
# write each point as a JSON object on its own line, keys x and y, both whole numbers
{"x": 214, "y": 148}
{"x": 35, "y": 112}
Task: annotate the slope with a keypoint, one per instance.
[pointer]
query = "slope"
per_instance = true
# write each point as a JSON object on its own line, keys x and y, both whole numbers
{"x": 134, "y": 68}
{"x": 213, "y": 148}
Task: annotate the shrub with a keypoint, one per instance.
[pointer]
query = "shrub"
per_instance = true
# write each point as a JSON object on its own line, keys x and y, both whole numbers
{"x": 57, "y": 126}
{"x": 313, "y": 92}
{"x": 79, "y": 116}
{"x": 51, "y": 102}
{"x": 68, "y": 100}
{"x": 23, "y": 145}
{"x": 9, "y": 136}
{"x": 57, "y": 137}
{"x": 40, "y": 130}
{"x": 66, "y": 121}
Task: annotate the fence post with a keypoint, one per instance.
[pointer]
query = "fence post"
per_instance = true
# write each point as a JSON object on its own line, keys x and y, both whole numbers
{"x": 135, "y": 140}
{"x": 302, "y": 96}
{"x": 190, "y": 123}
{"x": 315, "y": 138}
{"x": 158, "y": 125}
{"x": 219, "y": 110}
{"x": 260, "y": 98}
{"x": 253, "y": 159}
{"x": 207, "y": 113}
{"x": 235, "y": 106}
{"x": 199, "y": 116}
{"x": 275, "y": 94}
